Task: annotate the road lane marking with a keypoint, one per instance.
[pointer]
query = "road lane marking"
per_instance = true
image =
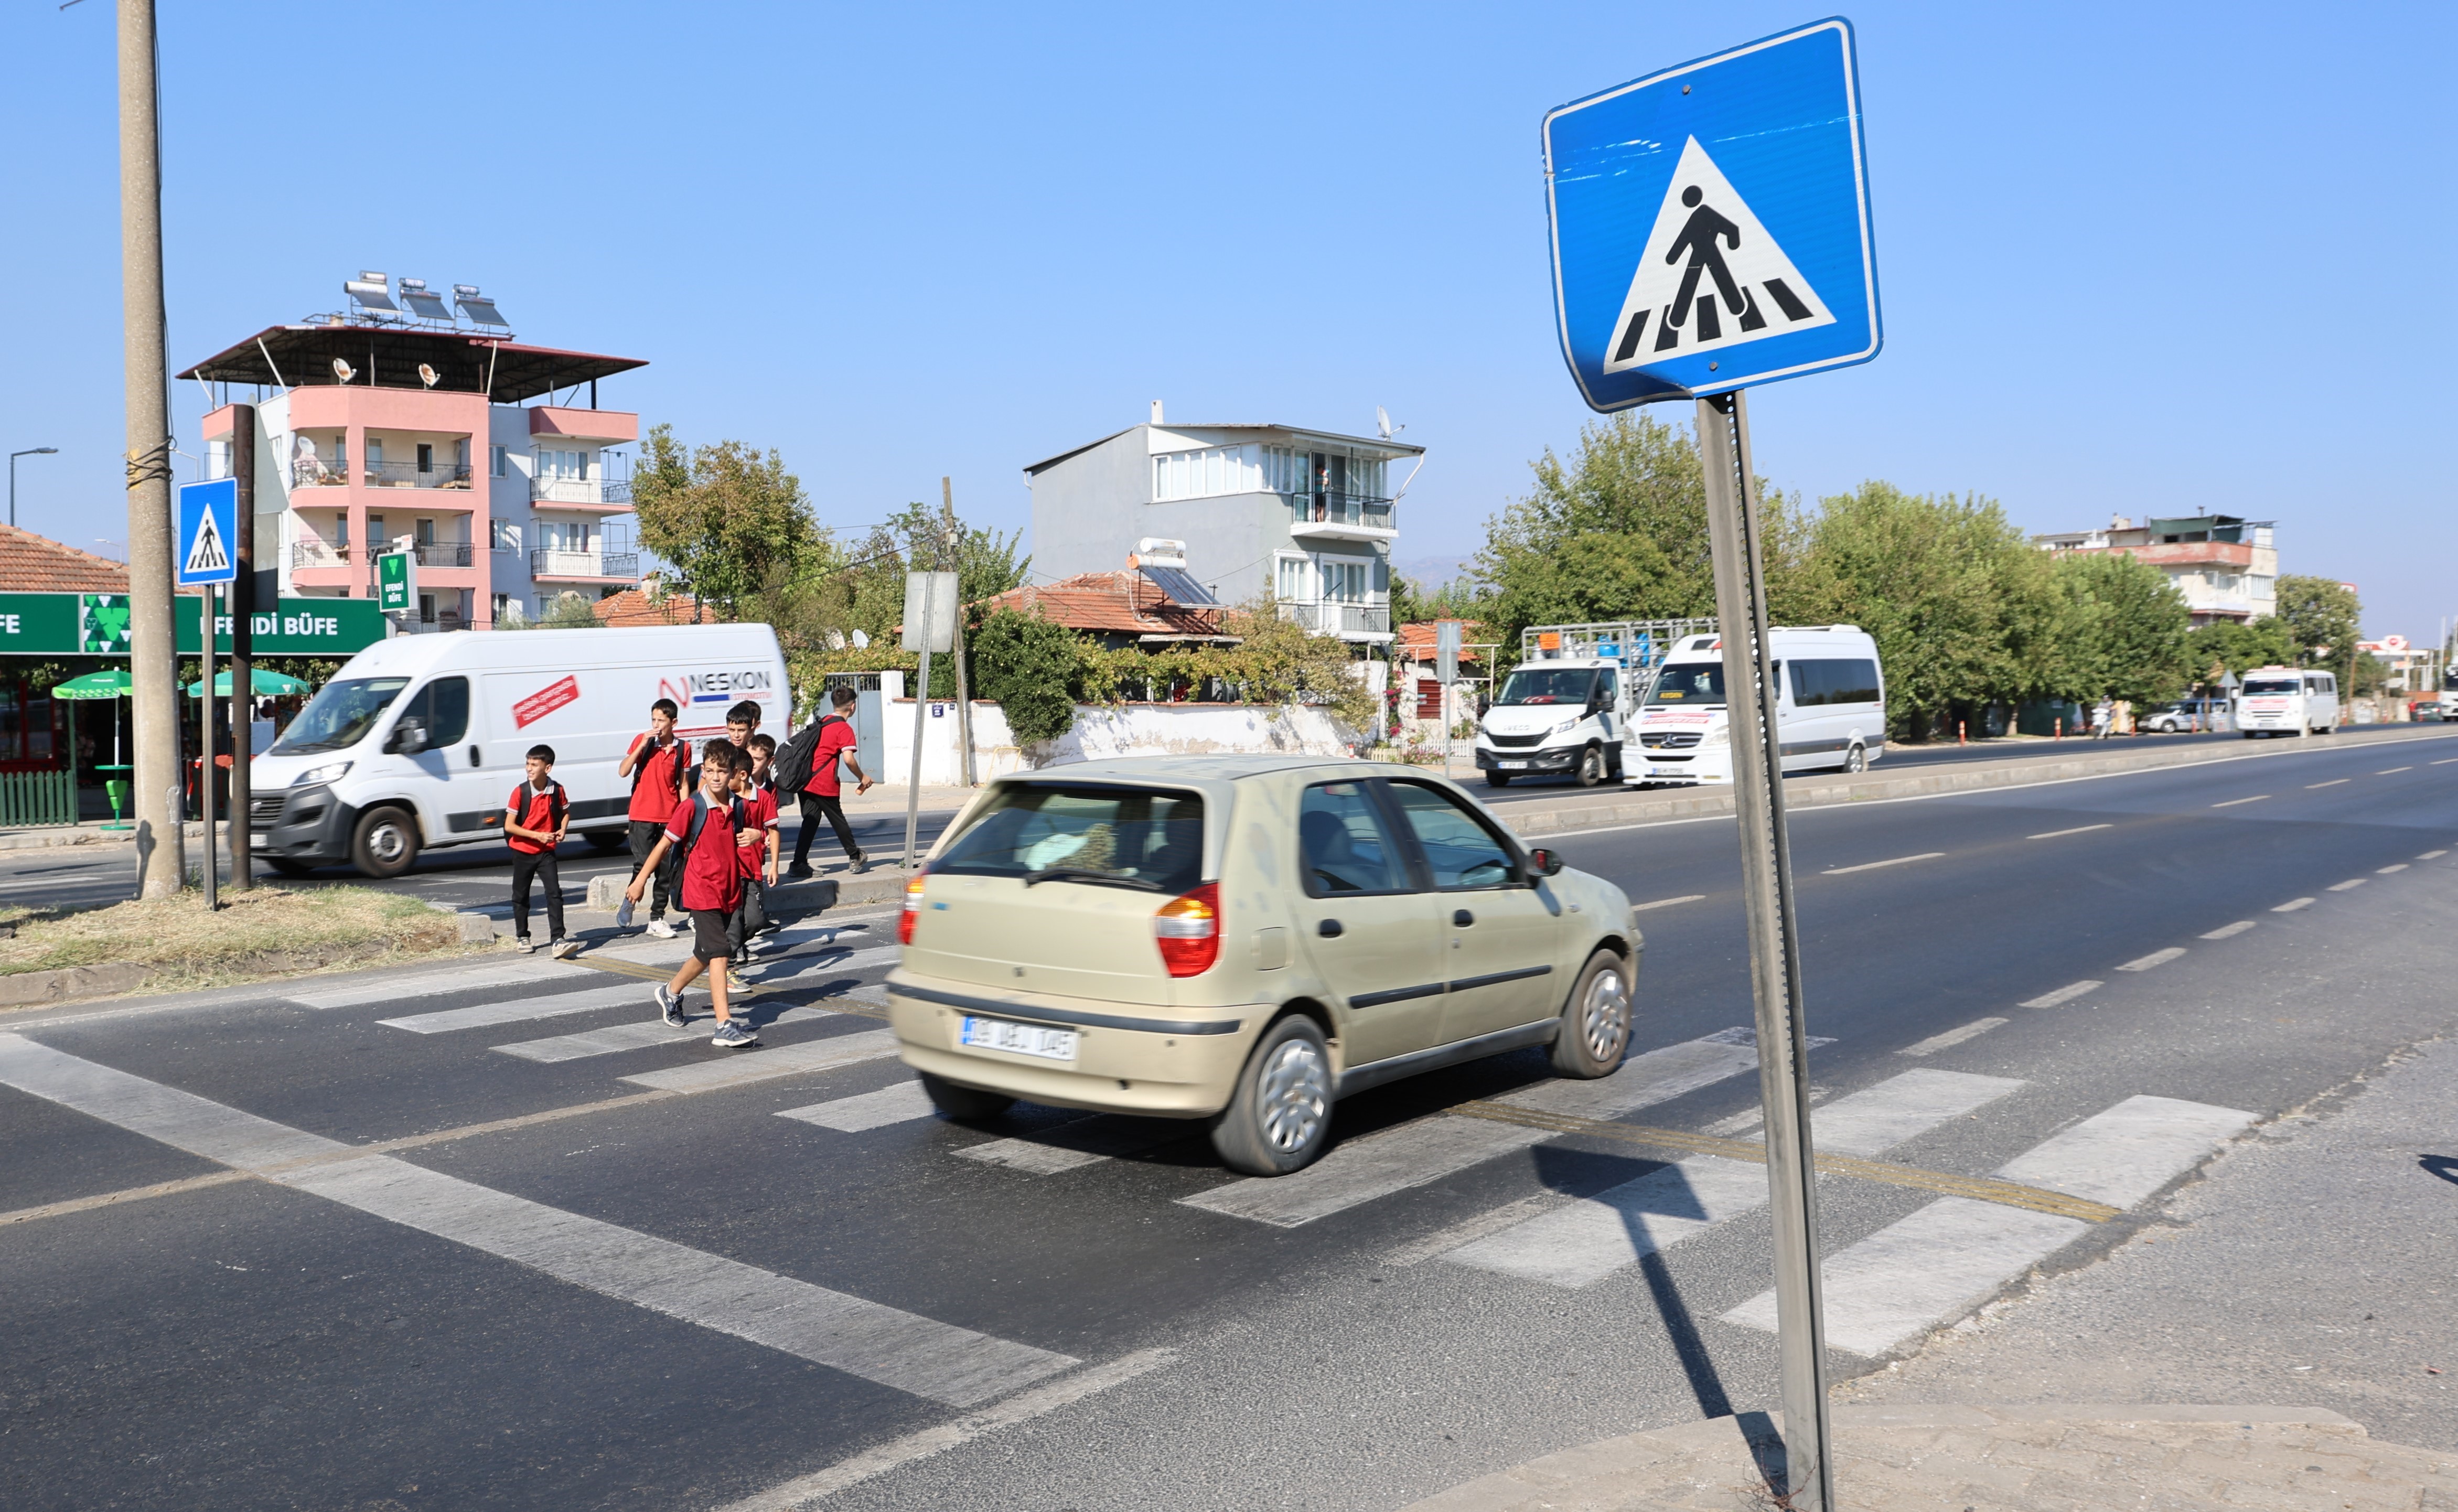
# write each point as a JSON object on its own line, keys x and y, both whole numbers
{"x": 2333, "y": 782}
{"x": 2082, "y": 829}
{"x": 2385, "y": 871}
{"x": 1080, "y": 1142}
{"x": 2292, "y": 906}
{"x": 106, "y": 1199}
{"x": 1667, "y": 903}
{"x": 1450, "y": 1237}
{"x": 2230, "y": 931}
{"x": 900, "y": 1104}
{"x": 435, "y": 983}
{"x": 2050, "y": 1000}
{"x": 878, "y": 1343}
{"x": 2432, "y": 856}
{"x": 2233, "y": 803}
{"x": 2350, "y": 882}
{"x": 1954, "y": 1254}
{"x": 1872, "y": 867}
{"x": 515, "y": 1010}
{"x": 803, "y": 1491}
{"x": 2394, "y": 771}
{"x": 2156, "y": 958}
{"x": 1428, "y": 1148}
{"x": 807, "y": 1058}
{"x": 2442, "y": 762}
{"x": 1952, "y": 1037}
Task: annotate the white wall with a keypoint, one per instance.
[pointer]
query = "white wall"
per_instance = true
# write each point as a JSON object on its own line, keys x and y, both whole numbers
{"x": 1102, "y": 731}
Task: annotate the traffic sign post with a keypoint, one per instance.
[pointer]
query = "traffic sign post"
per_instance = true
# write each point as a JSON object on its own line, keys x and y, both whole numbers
{"x": 1447, "y": 650}
{"x": 397, "y": 580}
{"x": 930, "y": 626}
{"x": 206, "y": 556}
{"x": 1711, "y": 231}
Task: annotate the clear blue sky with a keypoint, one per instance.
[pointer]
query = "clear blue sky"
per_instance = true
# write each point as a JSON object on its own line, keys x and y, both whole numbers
{"x": 2137, "y": 258}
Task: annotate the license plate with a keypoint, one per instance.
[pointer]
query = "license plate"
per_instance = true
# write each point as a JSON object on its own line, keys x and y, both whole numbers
{"x": 1511, "y": 766}
{"x": 1022, "y": 1038}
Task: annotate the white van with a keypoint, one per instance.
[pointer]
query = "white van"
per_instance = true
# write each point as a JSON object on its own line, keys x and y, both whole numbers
{"x": 417, "y": 741}
{"x": 1831, "y": 709}
{"x": 1556, "y": 718}
{"x": 2287, "y": 700}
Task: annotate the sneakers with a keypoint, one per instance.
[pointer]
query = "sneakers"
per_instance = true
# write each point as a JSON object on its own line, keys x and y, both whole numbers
{"x": 623, "y": 915}
{"x": 524, "y": 943}
{"x": 661, "y": 929}
{"x": 733, "y": 1035}
{"x": 669, "y": 1006}
{"x": 800, "y": 872}
{"x": 563, "y": 948}
{"x": 750, "y": 950}
{"x": 861, "y": 864}
{"x": 733, "y": 982}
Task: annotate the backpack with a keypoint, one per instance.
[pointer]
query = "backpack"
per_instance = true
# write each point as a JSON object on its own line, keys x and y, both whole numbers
{"x": 673, "y": 866}
{"x": 680, "y": 775}
{"x": 793, "y": 769}
{"x": 558, "y": 804}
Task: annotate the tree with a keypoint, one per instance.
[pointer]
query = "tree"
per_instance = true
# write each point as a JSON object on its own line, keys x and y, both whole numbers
{"x": 1027, "y": 666}
{"x": 2123, "y": 633}
{"x": 1412, "y": 603}
{"x": 2321, "y": 617}
{"x": 728, "y": 518}
{"x": 2226, "y": 646}
{"x": 921, "y": 538}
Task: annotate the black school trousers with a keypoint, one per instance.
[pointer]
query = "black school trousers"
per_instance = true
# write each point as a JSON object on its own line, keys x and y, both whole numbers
{"x": 815, "y": 804}
{"x": 540, "y": 867}
{"x": 644, "y": 840}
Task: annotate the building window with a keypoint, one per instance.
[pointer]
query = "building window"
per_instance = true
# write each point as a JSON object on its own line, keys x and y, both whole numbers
{"x": 1207, "y": 473}
{"x": 425, "y": 457}
{"x": 1293, "y": 580}
{"x": 497, "y": 464}
{"x": 374, "y": 449}
{"x": 1344, "y": 582}
{"x": 506, "y": 535}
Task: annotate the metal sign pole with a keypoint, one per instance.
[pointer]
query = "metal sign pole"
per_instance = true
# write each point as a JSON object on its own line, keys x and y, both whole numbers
{"x": 205, "y": 743}
{"x": 921, "y": 701}
{"x": 1775, "y": 936}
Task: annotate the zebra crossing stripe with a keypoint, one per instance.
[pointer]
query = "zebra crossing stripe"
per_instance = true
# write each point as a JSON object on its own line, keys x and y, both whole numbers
{"x": 1078, "y": 1143}
{"x": 1954, "y": 1254}
{"x": 619, "y": 1037}
{"x": 881, "y": 1345}
{"x": 435, "y": 983}
{"x": 901, "y": 1103}
{"x": 806, "y": 1059}
{"x": 1586, "y": 1241}
{"x": 515, "y": 1010}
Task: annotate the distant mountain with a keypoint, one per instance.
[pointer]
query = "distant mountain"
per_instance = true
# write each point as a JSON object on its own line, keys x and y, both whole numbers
{"x": 1431, "y": 572}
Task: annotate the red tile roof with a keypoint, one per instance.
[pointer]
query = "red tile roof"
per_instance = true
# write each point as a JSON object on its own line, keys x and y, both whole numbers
{"x": 37, "y": 564}
{"x": 1123, "y": 603}
{"x": 631, "y": 609}
{"x": 1416, "y": 642}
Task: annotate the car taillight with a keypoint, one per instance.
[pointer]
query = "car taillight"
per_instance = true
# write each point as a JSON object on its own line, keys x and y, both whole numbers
{"x": 1188, "y": 931}
{"x": 905, "y": 921}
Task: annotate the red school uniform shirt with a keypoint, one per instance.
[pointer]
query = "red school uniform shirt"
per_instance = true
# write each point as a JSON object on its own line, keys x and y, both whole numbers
{"x": 657, "y": 783}
{"x": 711, "y": 878}
{"x": 836, "y": 737}
{"x": 759, "y": 816}
{"x": 532, "y": 809}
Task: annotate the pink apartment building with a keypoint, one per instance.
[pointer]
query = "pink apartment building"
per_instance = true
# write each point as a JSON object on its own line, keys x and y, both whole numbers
{"x": 401, "y": 417}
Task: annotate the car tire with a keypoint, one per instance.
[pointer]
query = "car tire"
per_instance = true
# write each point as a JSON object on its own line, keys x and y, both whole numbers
{"x": 606, "y": 843}
{"x": 1596, "y": 1022}
{"x": 1591, "y": 766}
{"x": 1497, "y": 779}
{"x": 963, "y": 1105}
{"x": 1856, "y": 760}
{"x": 383, "y": 843}
{"x": 283, "y": 866}
{"x": 1280, "y": 1117}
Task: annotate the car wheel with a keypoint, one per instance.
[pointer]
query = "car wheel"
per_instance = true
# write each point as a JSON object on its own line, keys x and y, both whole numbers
{"x": 1596, "y": 1022}
{"x": 606, "y": 843}
{"x": 1591, "y": 766}
{"x": 385, "y": 843}
{"x": 1856, "y": 759}
{"x": 286, "y": 866}
{"x": 1279, "y": 1118}
{"x": 965, "y": 1105}
{"x": 1497, "y": 779}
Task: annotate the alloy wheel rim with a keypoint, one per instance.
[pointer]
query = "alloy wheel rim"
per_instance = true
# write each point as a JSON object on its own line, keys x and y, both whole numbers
{"x": 1604, "y": 1018}
{"x": 385, "y": 842}
{"x": 1292, "y": 1094}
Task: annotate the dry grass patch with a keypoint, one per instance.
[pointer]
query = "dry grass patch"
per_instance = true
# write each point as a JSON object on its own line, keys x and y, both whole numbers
{"x": 259, "y": 933}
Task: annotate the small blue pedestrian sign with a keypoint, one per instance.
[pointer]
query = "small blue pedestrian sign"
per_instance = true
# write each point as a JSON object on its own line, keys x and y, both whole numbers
{"x": 208, "y": 529}
{"x": 1711, "y": 224}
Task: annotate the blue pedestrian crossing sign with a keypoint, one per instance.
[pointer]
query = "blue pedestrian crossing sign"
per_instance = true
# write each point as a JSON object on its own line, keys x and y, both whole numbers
{"x": 1711, "y": 224}
{"x": 208, "y": 532}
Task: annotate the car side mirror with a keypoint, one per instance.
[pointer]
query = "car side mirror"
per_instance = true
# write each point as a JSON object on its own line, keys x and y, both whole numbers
{"x": 1544, "y": 863}
{"x": 408, "y": 736}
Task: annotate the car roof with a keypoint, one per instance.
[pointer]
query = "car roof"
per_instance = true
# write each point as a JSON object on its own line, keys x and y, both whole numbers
{"x": 1197, "y": 769}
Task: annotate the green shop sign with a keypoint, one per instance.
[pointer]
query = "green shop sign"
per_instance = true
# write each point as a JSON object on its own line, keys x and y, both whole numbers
{"x": 97, "y": 625}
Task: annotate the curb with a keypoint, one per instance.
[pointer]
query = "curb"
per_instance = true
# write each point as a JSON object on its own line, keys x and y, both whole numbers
{"x": 1806, "y": 793}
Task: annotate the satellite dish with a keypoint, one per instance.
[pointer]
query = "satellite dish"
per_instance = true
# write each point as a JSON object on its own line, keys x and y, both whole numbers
{"x": 344, "y": 371}
{"x": 1382, "y": 422}
{"x": 426, "y": 375}
{"x": 861, "y": 640}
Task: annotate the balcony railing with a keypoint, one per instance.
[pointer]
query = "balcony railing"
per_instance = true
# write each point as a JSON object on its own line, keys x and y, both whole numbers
{"x": 409, "y": 475}
{"x": 441, "y": 553}
{"x": 1334, "y": 618}
{"x": 318, "y": 553}
{"x": 445, "y": 619}
{"x": 549, "y": 562}
{"x": 580, "y": 490}
{"x": 314, "y": 472}
{"x": 1325, "y": 508}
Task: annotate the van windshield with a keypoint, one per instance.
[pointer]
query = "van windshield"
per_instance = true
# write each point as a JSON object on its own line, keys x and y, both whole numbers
{"x": 1696, "y": 682}
{"x": 1548, "y": 685}
{"x": 2254, "y": 685}
{"x": 339, "y": 716}
{"x": 1148, "y": 838}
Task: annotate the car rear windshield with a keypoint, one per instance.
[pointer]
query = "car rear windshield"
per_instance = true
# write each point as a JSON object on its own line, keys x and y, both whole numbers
{"x": 1548, "y": 685}
{"x": 1695, "y": 682}
{"x": 1148, "y": 838}
{"x": 2272, "y": 685}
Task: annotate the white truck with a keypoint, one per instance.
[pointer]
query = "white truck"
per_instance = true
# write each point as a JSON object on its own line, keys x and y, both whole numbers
{"x": 418, "y": 741}
{"x": 1830, "y": 707}
{"x": 1563, "y": 710}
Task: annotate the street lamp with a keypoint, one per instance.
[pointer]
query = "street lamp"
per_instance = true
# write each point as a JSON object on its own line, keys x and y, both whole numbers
{"x": 30, "y": 451}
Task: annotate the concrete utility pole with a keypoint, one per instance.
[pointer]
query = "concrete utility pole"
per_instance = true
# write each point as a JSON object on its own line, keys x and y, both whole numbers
{"x": 153, "y": 661}
{"x": 242, "y": 665}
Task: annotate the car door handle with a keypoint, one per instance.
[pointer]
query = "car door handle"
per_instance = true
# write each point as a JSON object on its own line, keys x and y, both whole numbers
{"x": 1329, "y": 929}
{"x": 473, "y": 757}
{"x": 1462, "y": 918}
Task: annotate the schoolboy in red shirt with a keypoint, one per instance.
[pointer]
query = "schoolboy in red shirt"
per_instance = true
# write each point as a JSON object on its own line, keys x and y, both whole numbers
{"x": 757, "y": 848}
{"x": 711, "y": 887}
{"x": 659, "y": 767}
{"x": 536, "y": 818}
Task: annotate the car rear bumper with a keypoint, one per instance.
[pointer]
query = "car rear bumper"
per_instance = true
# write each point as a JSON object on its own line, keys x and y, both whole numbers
{"x": 1129, "y": 1058}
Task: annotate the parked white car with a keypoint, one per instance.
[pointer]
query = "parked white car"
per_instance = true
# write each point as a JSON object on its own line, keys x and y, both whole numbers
{"x": 1831, "y": 709}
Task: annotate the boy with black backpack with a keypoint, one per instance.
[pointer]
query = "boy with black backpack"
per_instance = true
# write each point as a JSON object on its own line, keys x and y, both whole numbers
{"x": 702, "y": 835}
{"x": 659, "y": 767}
{"x": 809, "y": 769}
{"x": 536, "y": 818}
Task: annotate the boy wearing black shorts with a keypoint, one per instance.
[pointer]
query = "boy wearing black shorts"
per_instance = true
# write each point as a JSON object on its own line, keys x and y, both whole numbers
{"x": 702, "y": 832}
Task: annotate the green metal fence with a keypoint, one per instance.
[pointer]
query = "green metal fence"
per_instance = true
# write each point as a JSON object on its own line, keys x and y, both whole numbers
{"x": 37, "y": 798}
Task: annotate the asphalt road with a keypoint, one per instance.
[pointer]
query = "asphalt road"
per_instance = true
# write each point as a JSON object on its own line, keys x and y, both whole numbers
{"x": 587, "y": 1313}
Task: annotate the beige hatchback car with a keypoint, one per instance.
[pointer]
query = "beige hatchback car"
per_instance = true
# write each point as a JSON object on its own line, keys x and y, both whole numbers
{"x": 1244, "y": 939}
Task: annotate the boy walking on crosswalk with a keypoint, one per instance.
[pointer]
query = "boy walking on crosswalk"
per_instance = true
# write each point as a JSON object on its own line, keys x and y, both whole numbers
{"x": 536, "y": 818}
{"x": 702, "y": 832}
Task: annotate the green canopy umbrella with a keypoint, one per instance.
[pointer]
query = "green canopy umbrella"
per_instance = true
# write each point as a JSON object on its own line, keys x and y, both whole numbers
{"x": 267, "y": 684}
{"x": 111, "y": 684}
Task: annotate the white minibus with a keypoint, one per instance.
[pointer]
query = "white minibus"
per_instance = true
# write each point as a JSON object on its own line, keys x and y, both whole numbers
{"x": 2287, "y": 700}
{"x": 1830, "y": 707}
{"x": 418, "y": 741}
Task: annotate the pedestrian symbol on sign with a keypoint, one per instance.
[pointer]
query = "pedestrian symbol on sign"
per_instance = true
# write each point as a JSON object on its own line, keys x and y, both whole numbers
{"x": 206, "y": 557}
{"x": 1710, "y": 276}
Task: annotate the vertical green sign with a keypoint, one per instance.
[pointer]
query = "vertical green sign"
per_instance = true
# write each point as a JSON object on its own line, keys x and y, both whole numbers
{"x": 396, "y": 583}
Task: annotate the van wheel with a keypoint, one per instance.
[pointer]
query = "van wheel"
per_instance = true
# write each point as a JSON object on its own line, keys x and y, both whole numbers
{"x": 1596, "y": 1022}
{"x": 1279, "y": 1118}
{"x": 1497, "y": 779}
{"x": 965, "y": 1105}
{"x": 383, "y": 843}
{"x": 606, "y": 843}
{"x": 1856, "y": 759}
{"x": 1591, "y": 771}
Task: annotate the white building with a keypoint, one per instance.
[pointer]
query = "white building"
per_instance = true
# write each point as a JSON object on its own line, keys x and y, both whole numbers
{"x": 2226, "y": 567}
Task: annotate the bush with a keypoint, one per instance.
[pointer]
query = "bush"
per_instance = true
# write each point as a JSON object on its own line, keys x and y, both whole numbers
{"x": 1027, "y": 666}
